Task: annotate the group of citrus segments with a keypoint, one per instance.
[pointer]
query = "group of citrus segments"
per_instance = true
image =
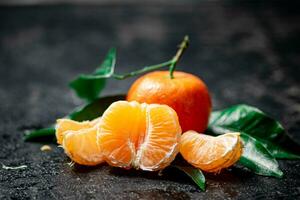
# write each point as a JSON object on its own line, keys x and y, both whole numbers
{"x": 160, "y": 118}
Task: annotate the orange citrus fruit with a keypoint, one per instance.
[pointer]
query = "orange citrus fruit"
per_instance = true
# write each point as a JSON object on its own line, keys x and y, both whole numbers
{"x": 185, "y": 93}
{"x": 208, "y": 153}
{"x": 143, "y": 136}
{"x": 79, "y": 141}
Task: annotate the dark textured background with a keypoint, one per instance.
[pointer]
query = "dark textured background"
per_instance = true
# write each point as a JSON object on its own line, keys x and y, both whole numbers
{"x": 245, "y": 51}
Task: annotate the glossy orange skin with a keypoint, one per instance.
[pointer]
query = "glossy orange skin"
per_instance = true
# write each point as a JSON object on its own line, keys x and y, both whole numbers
{"x": 186, "y": 94}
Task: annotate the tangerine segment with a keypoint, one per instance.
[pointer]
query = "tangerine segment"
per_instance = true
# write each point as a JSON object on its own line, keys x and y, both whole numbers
{"x": 120, "y": 130}
{"x": 139, "y": 135}
{"x": 210, "y": 153}
{"x": 81, "y": 146}
{"x": 161, "y": 143}
{"x": 63, "y": 125}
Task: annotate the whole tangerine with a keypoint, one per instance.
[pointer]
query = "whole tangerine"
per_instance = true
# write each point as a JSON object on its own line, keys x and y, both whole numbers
{"x": 185, "y": 93}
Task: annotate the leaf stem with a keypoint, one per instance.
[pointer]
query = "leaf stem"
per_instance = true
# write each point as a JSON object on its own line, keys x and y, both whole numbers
{"x": 172, "y": 63}
{"x": 182, "y": 47}
{"x": 143, "y": 70}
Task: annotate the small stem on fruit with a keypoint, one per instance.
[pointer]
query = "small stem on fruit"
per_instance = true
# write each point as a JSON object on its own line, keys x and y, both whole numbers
{"x": 182, "y": 47}
{"x": 143, "y": 70}
{"x": 172, "y": 63}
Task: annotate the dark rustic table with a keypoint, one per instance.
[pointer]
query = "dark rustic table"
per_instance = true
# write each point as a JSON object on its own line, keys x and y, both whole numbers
{"x": 246, "y": 52}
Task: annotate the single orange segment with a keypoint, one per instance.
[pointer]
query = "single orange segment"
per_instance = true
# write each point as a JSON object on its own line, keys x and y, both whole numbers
{"x": 81, "y": 146}
{"x": 79, "y": 141}
{"x": 208, "y": 153}
{"x": 63, "y": 125}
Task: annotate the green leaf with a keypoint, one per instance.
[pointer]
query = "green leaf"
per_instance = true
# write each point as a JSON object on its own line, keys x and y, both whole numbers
{"x": 257, "y": 158}
{"x": 87, "y": 112}
{"x": 89, "y": 87}
{"x": 252, "y": 121}
{"x": 247, "y": 119}
{"x": 40, "y": 134}
{"x": 94, "y": 109}
{"x": 277, "y": 151}
{"x": 195, "y": 174}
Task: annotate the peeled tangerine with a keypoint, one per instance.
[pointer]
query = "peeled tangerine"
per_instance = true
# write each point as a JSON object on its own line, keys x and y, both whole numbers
{"x": 208, "y": 153}
{"x": 143, "y": 136}
{"x": 79, "y": 140}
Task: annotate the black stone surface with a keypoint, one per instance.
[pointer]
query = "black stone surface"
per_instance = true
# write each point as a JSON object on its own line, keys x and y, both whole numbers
{"x": 246, "y": 52}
